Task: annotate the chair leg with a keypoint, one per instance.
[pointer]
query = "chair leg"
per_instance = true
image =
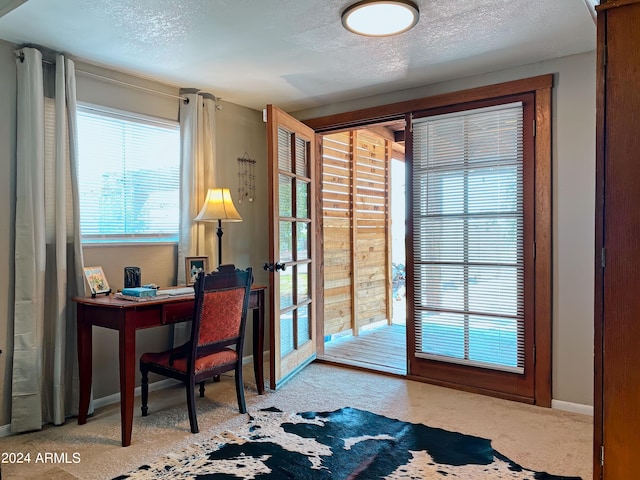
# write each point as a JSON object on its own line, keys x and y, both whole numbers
{"x": 144, "y": 386}
{"x": 216, "y": 378}
{"x": 191, "y": 405}
{"x": 202, "y": 389}
{"x": 240, "y": 388}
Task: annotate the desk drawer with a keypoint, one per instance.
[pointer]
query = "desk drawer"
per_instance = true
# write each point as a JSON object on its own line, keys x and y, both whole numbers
{"x": 177, "y": 312}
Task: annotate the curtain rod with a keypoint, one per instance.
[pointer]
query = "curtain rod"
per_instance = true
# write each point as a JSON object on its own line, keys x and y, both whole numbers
{"x": 151, "y": 90}
{"x": 121, "y": 82}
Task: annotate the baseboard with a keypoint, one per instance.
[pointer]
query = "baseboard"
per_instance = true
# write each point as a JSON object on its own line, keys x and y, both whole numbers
{"x": 115, "y": 398}
{"x": 5, "y": 430}
{"x": 572, "y": 407}
{"x": 249, "y": 358}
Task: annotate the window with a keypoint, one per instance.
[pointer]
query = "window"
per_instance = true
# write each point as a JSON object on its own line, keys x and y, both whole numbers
{"x": 129, "y": 177}
{"x": 468, "y": 237}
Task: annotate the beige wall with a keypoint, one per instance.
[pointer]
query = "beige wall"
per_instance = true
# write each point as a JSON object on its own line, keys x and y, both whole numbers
{"x": 238, "y": 130}
{"x": 573, "y": 170}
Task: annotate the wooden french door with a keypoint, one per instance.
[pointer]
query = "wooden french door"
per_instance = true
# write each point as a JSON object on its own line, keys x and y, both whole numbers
{"x": 292, "y": 225}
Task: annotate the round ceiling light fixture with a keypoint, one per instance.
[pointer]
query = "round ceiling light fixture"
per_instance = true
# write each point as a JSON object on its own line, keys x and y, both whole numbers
{"x": 380, "y": 18}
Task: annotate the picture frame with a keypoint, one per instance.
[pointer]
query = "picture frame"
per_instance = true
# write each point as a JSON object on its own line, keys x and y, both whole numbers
{"x": 97, "y": 281}
{"x": 193, "y": 266}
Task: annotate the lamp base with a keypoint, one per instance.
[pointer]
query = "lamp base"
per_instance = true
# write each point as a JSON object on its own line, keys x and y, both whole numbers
{"x": 219, "y": 233}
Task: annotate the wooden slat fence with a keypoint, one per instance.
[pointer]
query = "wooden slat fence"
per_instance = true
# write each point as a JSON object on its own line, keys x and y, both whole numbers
{"x": 355, "y": 201}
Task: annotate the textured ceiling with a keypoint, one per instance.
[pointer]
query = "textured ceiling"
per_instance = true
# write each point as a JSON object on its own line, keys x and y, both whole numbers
{"x": 295, "y": 53}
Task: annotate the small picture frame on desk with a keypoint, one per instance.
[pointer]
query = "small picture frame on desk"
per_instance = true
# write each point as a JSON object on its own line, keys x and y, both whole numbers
{"x": 97, "y": 281}
{"x": 193, "y": 266}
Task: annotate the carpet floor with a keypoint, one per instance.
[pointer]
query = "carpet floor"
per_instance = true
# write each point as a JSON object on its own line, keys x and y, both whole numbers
{"x": 537, "y": 438}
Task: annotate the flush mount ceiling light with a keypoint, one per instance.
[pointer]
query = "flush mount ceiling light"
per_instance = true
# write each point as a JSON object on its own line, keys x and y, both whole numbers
{"x": 380, "y": 18}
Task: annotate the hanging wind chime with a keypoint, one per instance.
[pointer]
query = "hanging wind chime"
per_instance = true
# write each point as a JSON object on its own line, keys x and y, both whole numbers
{"x": 246, "y": 178}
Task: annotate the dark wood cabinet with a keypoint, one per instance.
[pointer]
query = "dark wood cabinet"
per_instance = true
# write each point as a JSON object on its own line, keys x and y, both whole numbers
{"x": 617, "y": 245}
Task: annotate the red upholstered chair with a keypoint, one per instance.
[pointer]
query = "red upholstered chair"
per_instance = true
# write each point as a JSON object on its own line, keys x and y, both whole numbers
{"x": 217, "y": 337}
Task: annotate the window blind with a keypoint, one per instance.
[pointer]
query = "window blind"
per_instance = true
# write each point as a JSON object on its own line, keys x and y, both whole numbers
{"x": 468, "y": 222}
{"x": 129, "y": 176}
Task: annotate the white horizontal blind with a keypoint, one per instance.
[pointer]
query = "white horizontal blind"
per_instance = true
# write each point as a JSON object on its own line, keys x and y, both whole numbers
{"x": 129, "y": 176}
{"x": 468, "y": 237}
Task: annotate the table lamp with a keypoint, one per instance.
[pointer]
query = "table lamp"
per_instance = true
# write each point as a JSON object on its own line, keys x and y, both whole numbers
{"x": 219, "y": 207}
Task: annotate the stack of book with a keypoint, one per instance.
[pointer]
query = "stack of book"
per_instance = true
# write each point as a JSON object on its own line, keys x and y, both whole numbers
{"x": 139, "y": 291}
{"x": 138, "y": 294}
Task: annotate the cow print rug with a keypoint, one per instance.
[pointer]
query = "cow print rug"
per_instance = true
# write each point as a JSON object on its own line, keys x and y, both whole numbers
{"x": 344, "y": 444}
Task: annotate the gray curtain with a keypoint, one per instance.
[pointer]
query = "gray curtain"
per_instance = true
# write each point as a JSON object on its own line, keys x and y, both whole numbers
{"x": 197, "y": 175}
{"x": 48, "y": 253}
{"x": 197, "y": 166}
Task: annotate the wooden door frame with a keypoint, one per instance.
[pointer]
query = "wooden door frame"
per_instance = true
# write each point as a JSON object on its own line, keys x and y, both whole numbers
{"x": 598, "y": 407}
{"x": 540, "y": 86}
{"x": 363, "y": 174}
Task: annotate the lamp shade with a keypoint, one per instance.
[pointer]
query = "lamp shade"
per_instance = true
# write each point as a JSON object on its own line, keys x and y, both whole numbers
{"x": 218, "y": 206}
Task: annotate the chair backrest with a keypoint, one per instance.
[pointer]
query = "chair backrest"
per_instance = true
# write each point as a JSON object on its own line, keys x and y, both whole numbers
{"x": 220, "y": 312}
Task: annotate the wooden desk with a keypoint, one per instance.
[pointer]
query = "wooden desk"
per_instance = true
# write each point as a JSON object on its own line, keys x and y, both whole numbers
{"x": 127, "y": 317}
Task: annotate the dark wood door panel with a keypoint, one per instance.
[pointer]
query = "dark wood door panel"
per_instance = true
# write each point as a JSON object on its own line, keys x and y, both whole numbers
{"x": 621, "y": 239}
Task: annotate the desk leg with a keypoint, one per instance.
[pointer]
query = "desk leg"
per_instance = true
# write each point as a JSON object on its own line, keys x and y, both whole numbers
{"x": 258, "y": 342}
{"x": 127, "y": 353}
{"x": 85, "y": 360}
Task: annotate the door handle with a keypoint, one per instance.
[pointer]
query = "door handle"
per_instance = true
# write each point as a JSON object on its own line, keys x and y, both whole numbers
{"x": 274, "y": 267}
